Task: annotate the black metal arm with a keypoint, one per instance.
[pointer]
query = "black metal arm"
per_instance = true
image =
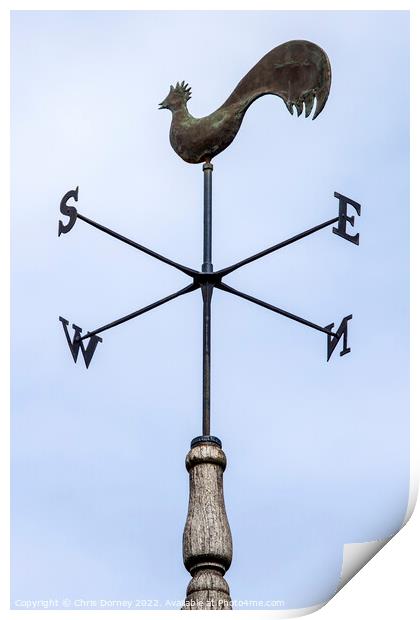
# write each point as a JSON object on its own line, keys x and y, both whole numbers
{"x": 142, "y": 248}
{"x": 274, "y": 248}
{"x": 289, "y": 315}
{"x": 133, "y": 315}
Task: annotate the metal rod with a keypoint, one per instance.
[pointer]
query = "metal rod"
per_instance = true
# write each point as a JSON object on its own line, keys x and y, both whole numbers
{"x": 207, "y": 219}
{"x": 133, "y": 315}
{"x": 142, "y": 248}
{"x": 289, "y": 315}
{"x": 207, "y": 291}
{"x": 273, "y": 248}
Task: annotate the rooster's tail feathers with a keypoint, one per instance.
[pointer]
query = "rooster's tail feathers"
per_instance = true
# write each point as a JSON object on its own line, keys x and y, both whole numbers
{"x": 298, "y": 71}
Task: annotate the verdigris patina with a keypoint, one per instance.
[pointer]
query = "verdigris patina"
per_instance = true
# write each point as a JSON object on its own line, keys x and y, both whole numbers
{"x": 297, "y": 71}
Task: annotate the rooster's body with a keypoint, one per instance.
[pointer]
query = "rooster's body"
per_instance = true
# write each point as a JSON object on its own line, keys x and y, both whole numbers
{"x": 298, "y": 71}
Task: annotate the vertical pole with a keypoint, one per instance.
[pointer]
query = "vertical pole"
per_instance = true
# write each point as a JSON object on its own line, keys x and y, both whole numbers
{"x": 207, "y": 291}
{"x": 207, "y": 220}
{"x": 207, "y": 540}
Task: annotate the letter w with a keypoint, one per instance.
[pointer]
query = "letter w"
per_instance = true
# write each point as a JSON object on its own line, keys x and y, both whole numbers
{"x": 77, "y": 344}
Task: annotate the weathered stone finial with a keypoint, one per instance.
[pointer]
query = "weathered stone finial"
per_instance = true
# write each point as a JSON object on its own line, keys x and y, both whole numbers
{"x": 207, "y": 541}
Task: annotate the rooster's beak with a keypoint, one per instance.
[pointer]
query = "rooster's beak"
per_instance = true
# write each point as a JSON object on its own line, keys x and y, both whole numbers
{"x": 162, "y": 106}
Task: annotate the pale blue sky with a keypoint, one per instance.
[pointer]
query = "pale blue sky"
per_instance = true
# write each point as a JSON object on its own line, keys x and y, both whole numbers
{"x": 317, "y": 453}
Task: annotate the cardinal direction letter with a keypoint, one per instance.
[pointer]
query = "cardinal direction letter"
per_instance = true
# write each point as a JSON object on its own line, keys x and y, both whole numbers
{"x": 71, "y": 212}
{"x": 344, "y": 218}
{"x": 77, "y": 344}
{"x": 341, "y": 334}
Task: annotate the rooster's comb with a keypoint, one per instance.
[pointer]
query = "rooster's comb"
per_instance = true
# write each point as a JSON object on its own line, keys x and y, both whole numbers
{"x": 183, "y": 89}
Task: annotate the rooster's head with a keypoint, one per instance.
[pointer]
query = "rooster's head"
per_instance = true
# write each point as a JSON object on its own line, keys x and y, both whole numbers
{"x": 177, "y": 97}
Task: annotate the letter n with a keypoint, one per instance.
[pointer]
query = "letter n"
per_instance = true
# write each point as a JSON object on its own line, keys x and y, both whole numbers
{"x": 341, "y": 334}
{"x": 77, "y": 344}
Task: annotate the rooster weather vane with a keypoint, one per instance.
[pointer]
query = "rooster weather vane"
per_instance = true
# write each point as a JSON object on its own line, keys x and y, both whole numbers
{"x": 298, "y": 72}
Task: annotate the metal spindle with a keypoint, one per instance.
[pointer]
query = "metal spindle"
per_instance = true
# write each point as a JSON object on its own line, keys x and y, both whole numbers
{"x": 207, "y": 291}
{"x": 207, "y": 220}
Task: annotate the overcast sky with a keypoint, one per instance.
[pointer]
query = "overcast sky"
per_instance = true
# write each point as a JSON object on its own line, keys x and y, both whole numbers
{"x": 317, "y": 453}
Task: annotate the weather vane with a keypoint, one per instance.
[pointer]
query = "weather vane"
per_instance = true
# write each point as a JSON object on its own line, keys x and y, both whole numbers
{"x": 298, "y": 72}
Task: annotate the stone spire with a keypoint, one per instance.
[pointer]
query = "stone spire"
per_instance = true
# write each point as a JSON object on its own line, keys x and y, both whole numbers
{"x": 207, "y": 541}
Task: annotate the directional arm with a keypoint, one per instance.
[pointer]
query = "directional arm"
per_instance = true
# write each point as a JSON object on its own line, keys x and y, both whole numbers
{"x": 274, "y": 248}
{"x": 342, "y": 220}
{"x": 142, "y": 248}
{"x": 73, "y": 214}
{"x": 289, "y": 315}
{"x": 133, "y": 315}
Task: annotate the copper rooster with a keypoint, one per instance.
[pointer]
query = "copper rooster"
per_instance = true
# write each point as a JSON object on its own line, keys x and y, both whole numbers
{"x": 297, "y": 71}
